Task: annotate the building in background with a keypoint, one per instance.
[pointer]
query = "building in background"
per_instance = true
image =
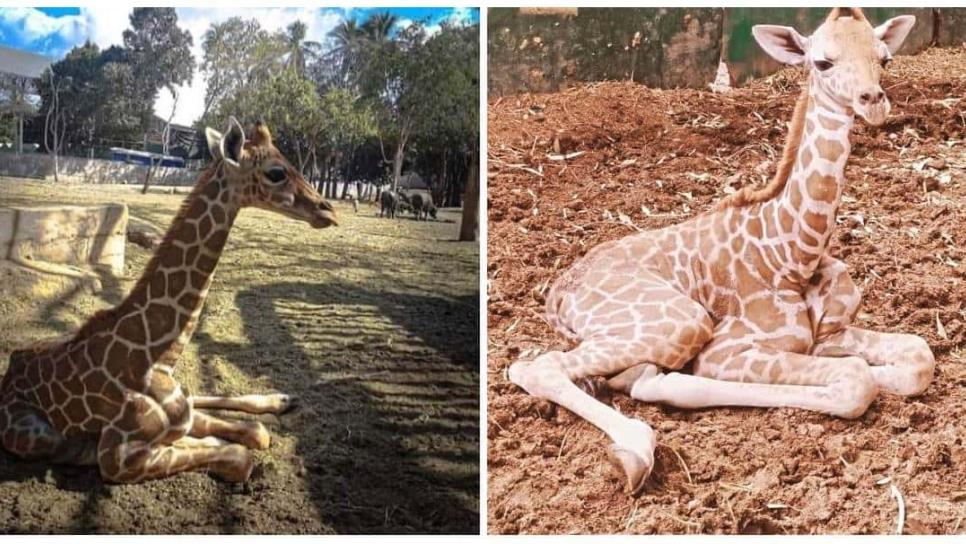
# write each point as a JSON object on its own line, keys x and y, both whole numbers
{"x": 20, "y": 72}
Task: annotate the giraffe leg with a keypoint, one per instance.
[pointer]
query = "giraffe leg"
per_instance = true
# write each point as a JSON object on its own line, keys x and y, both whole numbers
{"x": 27, "y": 434}
{"x": 252, "y": 404}
{"x": 248, "y": 433}
{"x": 738, "y": 369}
{"x": 662, "y": 326}
{"x": 136, "y": 461}
{"x": 146, "y": 441}
{"x": 902, "y": 364}
{"x": 842, "y": 387}
{"x": 546, "y": 377}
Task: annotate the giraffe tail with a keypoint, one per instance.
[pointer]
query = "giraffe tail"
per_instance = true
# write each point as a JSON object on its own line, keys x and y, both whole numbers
{"x": 552, "y": 313}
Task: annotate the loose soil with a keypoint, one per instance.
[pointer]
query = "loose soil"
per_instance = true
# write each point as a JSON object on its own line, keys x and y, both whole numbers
{"x": 374, "y": 325}
{"x": 641, "y": 158}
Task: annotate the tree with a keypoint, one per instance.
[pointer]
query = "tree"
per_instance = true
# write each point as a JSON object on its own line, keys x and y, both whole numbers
{"x": 378, "y": 27}
{"x": 347, "y": 39}
{"x": 349, "y": 123}
{"x": 299, "y": 50}
{"x": 159, "y": 53}
{"x": 238, "y": 57}
{"x": 469, "y": 226}
{"x": 55, "y": 120}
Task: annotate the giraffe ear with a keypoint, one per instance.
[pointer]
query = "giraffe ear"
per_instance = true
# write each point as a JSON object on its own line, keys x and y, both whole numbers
{"x": 783, "y": 43}
{"x": 232, "y": 142}
{"x": 214, "y": 142}
{"x": 894, "y": 31}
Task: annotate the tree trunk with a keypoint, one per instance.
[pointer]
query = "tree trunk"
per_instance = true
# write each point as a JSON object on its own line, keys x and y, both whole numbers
{"x": 440, "y": 189}
{"x": 348, "y": 176}
{"x": 148, "y": 175}
{"x": 471, "y": 202}
{"x": 397, "y": 163}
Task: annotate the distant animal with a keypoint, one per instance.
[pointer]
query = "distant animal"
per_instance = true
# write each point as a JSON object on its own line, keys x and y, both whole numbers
{"x": 389, "y": 201}
{"x": 422, "y": 204}
{"x": 405, "y": 203}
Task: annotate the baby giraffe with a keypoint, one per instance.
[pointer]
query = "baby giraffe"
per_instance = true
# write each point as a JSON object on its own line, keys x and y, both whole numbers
{"x": 747, "y": 291}
{"x": 107, "y": 396}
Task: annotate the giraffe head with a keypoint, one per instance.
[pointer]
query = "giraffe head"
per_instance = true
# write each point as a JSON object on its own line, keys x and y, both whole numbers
{"x": 264, "y": 178}
{"x": 845, "y": 56}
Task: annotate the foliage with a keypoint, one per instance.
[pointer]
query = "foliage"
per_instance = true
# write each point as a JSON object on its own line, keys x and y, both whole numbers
{"x": 107, "y": 96}
{"x": 159, "y": 53}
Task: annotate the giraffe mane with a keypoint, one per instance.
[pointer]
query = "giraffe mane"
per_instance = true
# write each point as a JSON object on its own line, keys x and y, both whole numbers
{"x": 104, "y": 317}
{"x": 750, "y": 195}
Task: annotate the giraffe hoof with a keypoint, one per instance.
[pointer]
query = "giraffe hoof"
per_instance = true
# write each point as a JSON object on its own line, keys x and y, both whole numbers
{"x": 634, "y": 467}
{"x": 597, "y": 387}
{"x": 258, "y": 439}
{"x": 237, "y": 466}
{"x": 286, "y": 403}
{"x": 546, "y": 409}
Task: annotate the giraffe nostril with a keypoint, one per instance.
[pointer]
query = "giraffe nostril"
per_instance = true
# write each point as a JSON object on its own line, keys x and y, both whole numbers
{"x": 865, "y": 98}
{"x": 879, "y": 96}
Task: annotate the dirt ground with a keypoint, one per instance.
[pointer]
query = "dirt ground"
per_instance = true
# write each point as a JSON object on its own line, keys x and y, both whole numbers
{"x": 598, "y": 161}
{"x": 374, "y": 325}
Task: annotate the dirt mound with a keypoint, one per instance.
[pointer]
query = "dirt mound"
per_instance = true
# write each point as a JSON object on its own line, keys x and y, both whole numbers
{"x": 597, "y": 162}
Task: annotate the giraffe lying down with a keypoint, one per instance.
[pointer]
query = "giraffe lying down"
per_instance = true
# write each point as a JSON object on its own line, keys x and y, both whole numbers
{"x": 747, "y": 291}
{"x": 106, "y": 395}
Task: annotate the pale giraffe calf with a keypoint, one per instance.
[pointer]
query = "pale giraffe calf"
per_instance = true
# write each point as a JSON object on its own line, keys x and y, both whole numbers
{"x": 746, "y": 291}
{"x": 106, "y": 396}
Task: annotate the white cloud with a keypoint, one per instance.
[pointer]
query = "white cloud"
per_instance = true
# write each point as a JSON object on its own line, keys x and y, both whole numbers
{"x": 30, "y": 25}
{"x": 461, "y": 15}
{"x": 105, "y": 24}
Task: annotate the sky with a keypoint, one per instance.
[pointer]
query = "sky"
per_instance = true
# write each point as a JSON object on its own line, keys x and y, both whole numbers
{"x": 54, "y": 31}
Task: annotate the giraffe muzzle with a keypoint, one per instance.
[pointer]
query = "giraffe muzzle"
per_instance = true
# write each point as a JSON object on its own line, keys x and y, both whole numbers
{"x": 324, "y": 216}
{"x": 873, "y": 105}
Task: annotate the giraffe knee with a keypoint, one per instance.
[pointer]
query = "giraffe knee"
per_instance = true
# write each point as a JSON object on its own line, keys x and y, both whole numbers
{"x": 918, "y": 366}
{"x": 690, "y": 343}
{"x": 855, "y": 388}
{"x": 536, "y": 375}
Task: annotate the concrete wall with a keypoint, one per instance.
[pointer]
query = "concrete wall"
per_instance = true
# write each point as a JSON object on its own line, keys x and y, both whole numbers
{"x": 547, "y": 49}
{"x": 65, "y": 235}
{"x": 76, "y": 169}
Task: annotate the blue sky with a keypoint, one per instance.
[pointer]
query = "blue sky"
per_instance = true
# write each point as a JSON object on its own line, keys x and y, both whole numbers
{"x": 54, "y": 31}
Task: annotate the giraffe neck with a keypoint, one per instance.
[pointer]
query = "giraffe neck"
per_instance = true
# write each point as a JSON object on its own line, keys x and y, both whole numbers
{"x": 803, "y": 214}
{"x": 161, "y": 312}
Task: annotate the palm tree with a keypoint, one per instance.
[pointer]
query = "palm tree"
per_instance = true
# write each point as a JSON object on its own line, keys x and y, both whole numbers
{"x": 348, "y": 37}
{"x": 379, "y": 26}
{"x": 298, "y": 49}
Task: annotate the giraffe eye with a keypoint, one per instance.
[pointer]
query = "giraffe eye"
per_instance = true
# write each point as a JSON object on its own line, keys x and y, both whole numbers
{"x": 885, "y": 62}
{"x": 276, "y": 174}
{"x": 823, "y": 65}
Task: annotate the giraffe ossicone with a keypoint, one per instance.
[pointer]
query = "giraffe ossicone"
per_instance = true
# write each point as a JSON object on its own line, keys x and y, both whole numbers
{"x": 106, "y": 395}
{"x": 747, "y": 291}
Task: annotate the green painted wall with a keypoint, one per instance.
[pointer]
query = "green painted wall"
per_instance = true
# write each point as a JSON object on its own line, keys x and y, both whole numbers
{"x": 747, "y": 61}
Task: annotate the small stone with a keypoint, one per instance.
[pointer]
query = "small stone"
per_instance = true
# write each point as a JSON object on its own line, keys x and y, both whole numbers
{"x": 937, "y": 163}
{"x": 667, "y": 425}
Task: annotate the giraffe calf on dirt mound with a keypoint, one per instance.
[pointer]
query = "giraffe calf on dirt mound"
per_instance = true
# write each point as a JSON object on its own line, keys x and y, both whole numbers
{"x": 747, "y": 291}
{"x": 106, "y": 396}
